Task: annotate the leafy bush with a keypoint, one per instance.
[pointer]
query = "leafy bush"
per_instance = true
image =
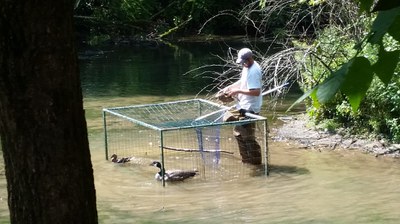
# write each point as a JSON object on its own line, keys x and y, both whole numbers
{"x": 379, "y": 112}
{"x": 381, "y": 109}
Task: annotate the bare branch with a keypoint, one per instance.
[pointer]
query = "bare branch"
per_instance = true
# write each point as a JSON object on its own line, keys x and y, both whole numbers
{"x": 299, "y": 21}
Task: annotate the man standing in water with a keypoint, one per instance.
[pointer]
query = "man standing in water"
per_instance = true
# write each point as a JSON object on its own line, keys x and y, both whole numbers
{"x": 247, "y": 91}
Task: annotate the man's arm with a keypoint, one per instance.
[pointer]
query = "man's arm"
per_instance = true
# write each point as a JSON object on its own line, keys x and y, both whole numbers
{"x": 250, "y": 92}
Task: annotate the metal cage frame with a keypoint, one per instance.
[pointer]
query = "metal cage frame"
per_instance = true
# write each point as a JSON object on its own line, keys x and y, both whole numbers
{"x": 206, "y": 112}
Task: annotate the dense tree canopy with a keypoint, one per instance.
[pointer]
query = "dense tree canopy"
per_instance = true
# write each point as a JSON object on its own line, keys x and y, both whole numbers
{"x": 152, "y": 18}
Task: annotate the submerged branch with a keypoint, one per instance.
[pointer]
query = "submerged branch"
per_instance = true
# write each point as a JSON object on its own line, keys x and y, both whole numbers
{"x": 195, "y": 150}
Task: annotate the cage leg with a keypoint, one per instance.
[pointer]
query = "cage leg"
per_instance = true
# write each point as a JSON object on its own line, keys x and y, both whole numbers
{"x": 266, "y": 149}
{"x": 162, "y": 157}
{"x": 105, "y": 134}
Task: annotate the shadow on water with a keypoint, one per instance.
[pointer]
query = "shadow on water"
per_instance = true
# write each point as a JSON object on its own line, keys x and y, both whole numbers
{"x": 286, "y": 169}
{"x": 278, "y": 169}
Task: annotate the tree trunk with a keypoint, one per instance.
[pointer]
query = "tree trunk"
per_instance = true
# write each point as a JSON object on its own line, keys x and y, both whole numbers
{"x": 42, "y": 124}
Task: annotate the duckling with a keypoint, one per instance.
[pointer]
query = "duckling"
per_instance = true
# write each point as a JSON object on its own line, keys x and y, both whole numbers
{"x": 114, "y": 159}
{"x": 172, "y": 175}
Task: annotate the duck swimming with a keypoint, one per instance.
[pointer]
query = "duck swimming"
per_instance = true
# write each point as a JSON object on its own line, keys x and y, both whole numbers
{"x": 114, "y": 159}
{"x": 172, "y": 175}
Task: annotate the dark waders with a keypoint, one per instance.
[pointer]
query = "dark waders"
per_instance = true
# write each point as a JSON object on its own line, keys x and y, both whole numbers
{"x": 249, "y": 148}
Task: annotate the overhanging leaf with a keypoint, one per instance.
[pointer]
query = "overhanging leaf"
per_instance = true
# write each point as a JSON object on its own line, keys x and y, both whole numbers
{"x": 303, "y": 97}
{"x": 386, "y": 64}
{"x": 382, "y": 5}
{"x": 394, "y": 29}
{"x": 365, "y": 5}
{"x": 313, "y": 96}
{"x": 382, "y": 23}
{"x": 357, "y": 81}
{"x": 327, "y": 90}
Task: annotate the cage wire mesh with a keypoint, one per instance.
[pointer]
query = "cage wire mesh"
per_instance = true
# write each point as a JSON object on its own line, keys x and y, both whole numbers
{"x": 186, "y": 135}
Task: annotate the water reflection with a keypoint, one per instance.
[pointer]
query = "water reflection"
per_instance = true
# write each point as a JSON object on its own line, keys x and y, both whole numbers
{"x": 154, "y": 69}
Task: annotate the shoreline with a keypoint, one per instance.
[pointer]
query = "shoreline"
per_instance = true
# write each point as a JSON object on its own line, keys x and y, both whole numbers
{"x": 299, "y": 129}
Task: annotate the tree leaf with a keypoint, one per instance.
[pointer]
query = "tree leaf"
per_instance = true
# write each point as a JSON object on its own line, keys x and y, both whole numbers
{"x": 382, "y": 5}
{"x": 357, "y": 81}
{"x": 365, "y": 5}
{"x": 303, "y": 97}
{"x": 382, "y": 23}
{"x": 327, "y": 90}
{"x": 386, "y": 64}
{"x": 394, "y": 29}
{"x": 314, "y": 98}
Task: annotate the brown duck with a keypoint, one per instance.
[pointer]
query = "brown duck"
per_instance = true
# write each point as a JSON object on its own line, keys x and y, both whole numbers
{"x": 114, "y": 158}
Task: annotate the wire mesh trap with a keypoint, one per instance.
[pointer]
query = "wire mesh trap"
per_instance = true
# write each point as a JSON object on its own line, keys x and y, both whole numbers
{"x": 185, "y": 135}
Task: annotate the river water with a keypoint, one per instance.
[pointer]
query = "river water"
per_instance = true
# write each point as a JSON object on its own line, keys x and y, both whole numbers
{"x": 304, "y": 186}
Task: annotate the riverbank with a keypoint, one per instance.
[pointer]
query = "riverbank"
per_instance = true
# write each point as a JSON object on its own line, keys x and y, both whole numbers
{"x": 300, "y": 130}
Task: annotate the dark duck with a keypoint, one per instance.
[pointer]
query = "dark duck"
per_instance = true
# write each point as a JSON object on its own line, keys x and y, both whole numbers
{"x": 114, "y": 158}
{"x": 172, "y": 175}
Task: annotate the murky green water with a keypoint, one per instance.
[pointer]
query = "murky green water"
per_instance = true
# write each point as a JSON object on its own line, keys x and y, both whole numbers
{"x": 303, "y": 187}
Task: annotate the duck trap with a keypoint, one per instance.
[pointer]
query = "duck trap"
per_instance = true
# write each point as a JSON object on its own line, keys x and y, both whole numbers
{"x": 186, "y": 135}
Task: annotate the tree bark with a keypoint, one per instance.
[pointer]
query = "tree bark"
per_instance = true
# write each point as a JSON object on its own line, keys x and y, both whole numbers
{"x": 42, "y": 123}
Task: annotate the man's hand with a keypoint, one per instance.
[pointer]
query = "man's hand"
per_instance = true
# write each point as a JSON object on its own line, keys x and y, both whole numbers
{"x": 224, "y": 97}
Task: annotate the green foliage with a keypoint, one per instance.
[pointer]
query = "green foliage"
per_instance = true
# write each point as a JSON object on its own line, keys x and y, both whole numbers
{"x": 124, "y": 10}
{"x": 330, "y": 50}
{"x": 357, "y": 80}
{"x": 98, "y": 39}
{"x": 137, "y": 9}
{"x": 381, "y": 108}
{"x": 355, "y": 87}
{"x": 386, "y": 64}
{"x": 151, "y": 17}
{"x": 354, "y": 76}
{"x": 330, "y": 126}
{"x": 385, "y": 22}
{"x": 365, "y": 5}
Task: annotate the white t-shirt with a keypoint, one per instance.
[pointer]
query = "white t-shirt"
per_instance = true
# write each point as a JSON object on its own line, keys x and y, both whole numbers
{"x": 251, "y": 78}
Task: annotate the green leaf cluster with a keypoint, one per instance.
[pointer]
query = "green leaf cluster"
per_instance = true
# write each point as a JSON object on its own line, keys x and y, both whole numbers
{"x": 354, "y": 76}
{"x": 379, "y": 112}
{"x": 356, "y": 83}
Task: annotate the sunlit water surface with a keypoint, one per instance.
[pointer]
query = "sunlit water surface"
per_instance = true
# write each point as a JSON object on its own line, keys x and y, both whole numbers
{"x": 304, "y": 186}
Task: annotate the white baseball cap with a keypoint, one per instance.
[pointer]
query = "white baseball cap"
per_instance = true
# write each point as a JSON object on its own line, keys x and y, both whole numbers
{"x": 243, "y": 55}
